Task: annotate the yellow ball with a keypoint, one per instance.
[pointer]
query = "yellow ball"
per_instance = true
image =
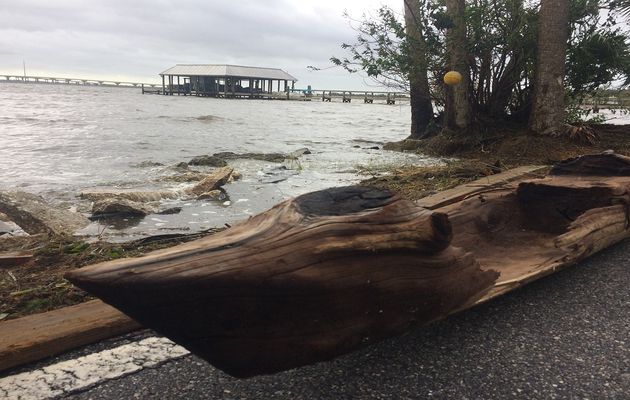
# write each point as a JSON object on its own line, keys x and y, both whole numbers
{"x": 452, "y": 78}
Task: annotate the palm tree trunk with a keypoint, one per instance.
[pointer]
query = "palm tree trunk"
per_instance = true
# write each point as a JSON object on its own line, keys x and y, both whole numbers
{"x": 420, "y": 98}
{"x": 548, "y": 108}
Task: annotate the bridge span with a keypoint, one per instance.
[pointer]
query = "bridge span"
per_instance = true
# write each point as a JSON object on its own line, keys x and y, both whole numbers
{"x": 71, "y": 81}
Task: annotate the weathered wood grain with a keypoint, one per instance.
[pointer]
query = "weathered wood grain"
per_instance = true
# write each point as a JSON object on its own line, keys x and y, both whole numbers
{"x": 43, "y": 335}
{"x": 462, "y": 192}
{"x": 351, "y": 283}
{"x": 308, "y": 280}
{"x": 14, "y": 258}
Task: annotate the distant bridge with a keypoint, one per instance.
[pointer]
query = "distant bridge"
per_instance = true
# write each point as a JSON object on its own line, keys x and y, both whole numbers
{"x": 71, "y": 81}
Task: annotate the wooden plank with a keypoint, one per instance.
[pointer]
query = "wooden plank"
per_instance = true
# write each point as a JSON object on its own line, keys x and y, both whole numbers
{"x": 459, "y": 193}
{"x": 43, "y": 335}
{"x": 12, "y": 259}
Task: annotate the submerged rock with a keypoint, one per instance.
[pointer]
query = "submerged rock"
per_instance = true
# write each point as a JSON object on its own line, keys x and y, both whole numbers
{"x": 299, "y": 152}
{"x": 220, "y": 159}
{"x": 170, "y": 211}
{"x": 277, "y": 174}
{"x": 11, "y": 229}
{"x": 212, "y": 182}
{"x": 109, "y": 208}
{"x": 187, "y": 176}
{"x": 216, "y": 195}
{"x": 208, "y": 161}
{"x": 270, "y": 157}
{"x": 133, "y": 195}
{"x": 34, "y": 215}
{"x": 235, "y": 176}
{"x": 147, "y": 164}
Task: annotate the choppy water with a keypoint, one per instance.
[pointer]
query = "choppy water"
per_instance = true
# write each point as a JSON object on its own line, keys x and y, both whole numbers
{"x": 56, "y": 140}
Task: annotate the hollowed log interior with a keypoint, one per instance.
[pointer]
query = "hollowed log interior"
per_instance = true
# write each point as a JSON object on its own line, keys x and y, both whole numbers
{"x": 331, "y": 271}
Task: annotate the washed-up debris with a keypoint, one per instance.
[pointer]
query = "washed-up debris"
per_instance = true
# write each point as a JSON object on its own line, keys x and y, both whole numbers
{"x": 14, "y": 258}
{"x": 34, "y": 215}
{"x": 213, "y": 181}
{"x": 133, "y": 195}
{"x": 118, "y": 207}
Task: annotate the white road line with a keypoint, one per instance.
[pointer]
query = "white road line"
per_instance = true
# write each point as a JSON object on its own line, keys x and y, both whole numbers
{"x": 72, "y": 375}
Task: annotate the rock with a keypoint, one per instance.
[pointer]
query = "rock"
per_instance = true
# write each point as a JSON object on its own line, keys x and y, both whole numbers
{"x": 299, "y": 152}
{"x": 6, "y": 227}
{"x": 147, "y": 164}
{"x": 277, "y": 174}
{"x": 270, "y": 157}
{"x": 169, "y": 211}
{"x": 374, "y": 148}
{"x": 213, "y": 181}
{"x": 208, "y": 161}
{"x": 356, "y": 146}
{"x": 217, "y": 195}
{"x": 188, "y": 176}
{"x": 235, "y": 176}
{"x": 181, "y": 165}
{"x": 109, "y": 208}
{"x": 137, "y": 196}
{"x": 34, "y": 215}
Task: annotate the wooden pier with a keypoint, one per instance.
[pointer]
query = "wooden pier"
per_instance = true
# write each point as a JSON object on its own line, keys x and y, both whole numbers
{"x": 368, "y": 97}
{"x": 73, "y": 81}
{"x": 325, "y": 95}
{"x": 609, "y": 101}
{"x": 242, "y": 82}
{"x": 266, "y": 89}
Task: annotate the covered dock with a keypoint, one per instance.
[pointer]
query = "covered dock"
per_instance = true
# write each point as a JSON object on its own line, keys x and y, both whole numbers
{"x": 227, "y": 81}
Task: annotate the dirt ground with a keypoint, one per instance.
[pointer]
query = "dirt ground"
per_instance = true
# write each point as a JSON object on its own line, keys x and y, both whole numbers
{"x": 489, "y": 153}
{"x": 39, "y": 285}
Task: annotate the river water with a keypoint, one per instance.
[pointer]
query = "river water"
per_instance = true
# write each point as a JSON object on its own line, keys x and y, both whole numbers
{"x": 57, "y": 140}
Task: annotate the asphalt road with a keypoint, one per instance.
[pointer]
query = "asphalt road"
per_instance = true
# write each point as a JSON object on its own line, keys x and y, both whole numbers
{"x": 566, "y": 336}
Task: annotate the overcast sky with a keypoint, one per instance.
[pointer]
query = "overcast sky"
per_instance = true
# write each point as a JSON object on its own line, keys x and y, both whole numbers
{"x": 137, "y": 39}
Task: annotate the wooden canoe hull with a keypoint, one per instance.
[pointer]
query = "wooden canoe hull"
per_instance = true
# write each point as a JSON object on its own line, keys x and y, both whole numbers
{"x": 331, "y": 271}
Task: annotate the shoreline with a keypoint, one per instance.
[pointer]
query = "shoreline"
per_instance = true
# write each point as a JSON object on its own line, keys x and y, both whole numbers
{"x": 38, "y": 285}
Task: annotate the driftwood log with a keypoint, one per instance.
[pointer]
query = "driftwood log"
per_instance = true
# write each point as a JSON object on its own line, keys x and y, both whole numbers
{"x": 308, "y": 280}
{"x": 331, "y": 271}
{"x": 537, "y": 227}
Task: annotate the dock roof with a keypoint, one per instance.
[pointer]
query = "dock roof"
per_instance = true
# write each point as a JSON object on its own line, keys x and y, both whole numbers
{"x": 238, "y": 71}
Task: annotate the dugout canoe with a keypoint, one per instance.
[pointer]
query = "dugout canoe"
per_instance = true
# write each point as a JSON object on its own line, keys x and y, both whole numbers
{"x": 331, "y": 271}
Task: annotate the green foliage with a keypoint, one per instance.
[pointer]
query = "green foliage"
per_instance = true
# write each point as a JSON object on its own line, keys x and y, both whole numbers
{"x": 76, "y": 248}
{"x": 502, "y": 37}
{"x": 577, "y": 115}
{"x": 597, "y": 59}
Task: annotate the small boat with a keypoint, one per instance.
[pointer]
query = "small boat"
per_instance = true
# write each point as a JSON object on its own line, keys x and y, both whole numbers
{"x": 331, "y": 271}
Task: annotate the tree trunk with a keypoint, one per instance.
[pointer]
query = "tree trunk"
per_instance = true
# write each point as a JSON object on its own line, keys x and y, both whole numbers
{"x": 312, "y": 278}
{"x": 334, "y": 270}
{"x": 420, "y": 96}
{"x": 457, "y": 109}
{"x": 502, "y": 92}
{"x": 548, "y": 108}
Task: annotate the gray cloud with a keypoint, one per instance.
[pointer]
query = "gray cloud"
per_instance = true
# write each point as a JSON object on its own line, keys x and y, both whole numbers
{"x": 138, "y": 39}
